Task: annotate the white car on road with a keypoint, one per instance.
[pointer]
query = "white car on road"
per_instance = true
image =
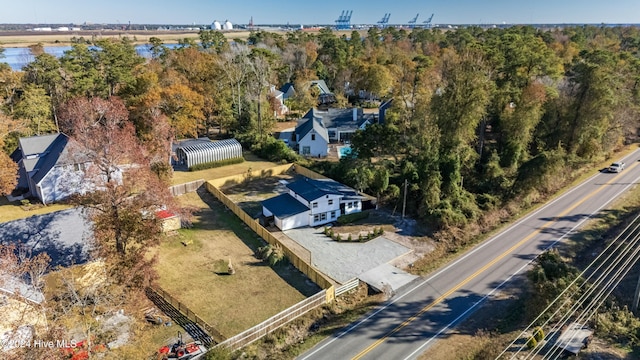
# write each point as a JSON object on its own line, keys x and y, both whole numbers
{"x": 616, "y": 167}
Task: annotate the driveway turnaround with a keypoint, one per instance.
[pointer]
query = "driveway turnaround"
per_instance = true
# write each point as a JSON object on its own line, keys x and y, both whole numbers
{"x": 62, "y": 235}
{"x": 343, "y": 261}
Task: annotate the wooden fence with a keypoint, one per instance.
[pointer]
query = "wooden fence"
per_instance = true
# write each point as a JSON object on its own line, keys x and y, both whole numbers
{"x": 248, "y": 336}
{"x": 213, "y": 332}
{"x": 349, "y": 285}
{"x": 181, "y": 189}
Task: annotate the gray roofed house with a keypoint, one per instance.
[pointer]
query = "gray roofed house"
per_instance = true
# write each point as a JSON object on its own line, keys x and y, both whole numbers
{"x": 312, "y": 138}
{"x": 311, "y": 202}
{"x": 311, "y": 189}
{"x": 284, "y": 206}
{"x": 325, "y": 96}
{"x": 51, "y": 167}
{"x": 340, "y": 124}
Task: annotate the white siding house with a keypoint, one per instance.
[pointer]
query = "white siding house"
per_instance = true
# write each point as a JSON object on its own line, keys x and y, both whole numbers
{"x": 312, "y": 139}
{"x": 311, "y": 202}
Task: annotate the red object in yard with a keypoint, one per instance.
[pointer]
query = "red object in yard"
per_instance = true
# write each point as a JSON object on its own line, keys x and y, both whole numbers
{"x": 164, "y": 214}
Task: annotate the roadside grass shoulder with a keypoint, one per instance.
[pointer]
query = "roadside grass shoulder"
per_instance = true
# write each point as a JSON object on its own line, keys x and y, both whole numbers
{"x": 192, "y": 273}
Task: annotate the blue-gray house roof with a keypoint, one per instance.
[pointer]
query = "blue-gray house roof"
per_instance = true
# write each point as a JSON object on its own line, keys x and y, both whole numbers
{"x": 312, "y": 189}
{"x": 284, "y": 206}
{"x": 311, "y": 124}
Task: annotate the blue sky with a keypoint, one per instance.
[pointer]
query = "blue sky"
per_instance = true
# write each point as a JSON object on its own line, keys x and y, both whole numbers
{"x": 323, "y": 11}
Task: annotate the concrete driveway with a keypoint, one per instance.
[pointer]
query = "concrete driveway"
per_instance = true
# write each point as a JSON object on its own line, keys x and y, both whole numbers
{"x": 343, "y": 261}
{"x": 62, "y": 234}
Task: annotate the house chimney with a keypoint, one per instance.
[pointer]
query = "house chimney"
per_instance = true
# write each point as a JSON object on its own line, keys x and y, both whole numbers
{"x": 355, "y": 114}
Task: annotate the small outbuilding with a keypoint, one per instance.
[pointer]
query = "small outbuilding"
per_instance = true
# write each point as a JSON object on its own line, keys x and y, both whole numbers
{"x": 200, "y": 151}
{"x": 574, "y": 338}
{"x": 169, "y": 221}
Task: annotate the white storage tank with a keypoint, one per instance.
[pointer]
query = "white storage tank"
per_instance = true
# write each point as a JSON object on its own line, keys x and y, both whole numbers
{"x": 228, "y": 25}
{"x": 216, "y": 25}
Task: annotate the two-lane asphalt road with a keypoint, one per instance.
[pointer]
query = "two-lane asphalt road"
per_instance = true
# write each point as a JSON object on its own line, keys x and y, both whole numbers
{"x": 411, "y": 321}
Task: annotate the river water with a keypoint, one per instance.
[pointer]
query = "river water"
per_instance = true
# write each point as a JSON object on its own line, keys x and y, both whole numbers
{"x": 19, "y": 57}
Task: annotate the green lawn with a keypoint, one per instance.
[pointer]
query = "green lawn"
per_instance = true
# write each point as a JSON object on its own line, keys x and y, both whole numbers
{"x": 196, "y": 274}
{"x": 251, "y": 162}
{"x": 13, "y": 210}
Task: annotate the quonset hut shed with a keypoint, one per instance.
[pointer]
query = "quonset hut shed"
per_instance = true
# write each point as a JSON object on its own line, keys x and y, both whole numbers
{"x": 200, "y": 151}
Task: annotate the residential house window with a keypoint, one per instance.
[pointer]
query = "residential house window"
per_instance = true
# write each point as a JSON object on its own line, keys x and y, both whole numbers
{"x": 333, "y": 214}
{"x": 306, "y": 150}
{"x": 330, "y": 201}
{"x": 348, "y": 205}
{"x": 316, "y": 217}
{"x": 313, "y": 137}
{"x": 315, "y": 204}
{"x": 78, "y": 167}
{"x": 323, "y": 216}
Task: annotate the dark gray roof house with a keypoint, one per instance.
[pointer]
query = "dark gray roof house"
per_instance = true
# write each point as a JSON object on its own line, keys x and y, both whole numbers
{"x": 48, "y": 166}
{"x": 339, "y": 123}
{"x": 306, "y": 126}
{"x": 284, "y": 206}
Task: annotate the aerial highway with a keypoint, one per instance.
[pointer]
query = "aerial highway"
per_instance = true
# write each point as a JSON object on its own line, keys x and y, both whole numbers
{"x": 427, "y": 309}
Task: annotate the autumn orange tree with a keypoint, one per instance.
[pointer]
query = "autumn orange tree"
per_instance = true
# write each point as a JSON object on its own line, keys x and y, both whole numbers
{"x": 126, "y": 193}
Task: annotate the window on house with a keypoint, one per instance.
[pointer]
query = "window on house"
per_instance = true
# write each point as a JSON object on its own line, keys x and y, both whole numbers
{"x": 330, "y": 201}
{"x": 323, "y": 216}
{"x": 333, "y": 214}
{"x": 315, "y": 204}
{"x": 348, "y": 205}
{"x": 313, "y": 137}
{"x": 306, "y": 150}
{"x": 316, "y": 217}
{"x": 78, "y": 167}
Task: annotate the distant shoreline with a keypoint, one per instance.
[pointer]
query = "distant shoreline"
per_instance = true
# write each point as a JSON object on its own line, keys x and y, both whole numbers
{"x": 19, "y": 39}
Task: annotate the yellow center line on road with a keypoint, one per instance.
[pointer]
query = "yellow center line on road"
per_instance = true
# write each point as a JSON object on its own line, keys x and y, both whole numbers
{"x": 484, "y": 268}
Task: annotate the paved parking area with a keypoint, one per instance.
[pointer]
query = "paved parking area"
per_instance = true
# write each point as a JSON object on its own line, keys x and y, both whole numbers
{"x": 344, "y": 261}
{"x": 61, "y": 234}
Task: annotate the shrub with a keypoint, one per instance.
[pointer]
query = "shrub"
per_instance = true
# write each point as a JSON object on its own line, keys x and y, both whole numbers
{"x": 532, "y": 342}
{"x": 330, "y": 233}
{"x": 264, "y": 252}
{"x": 326, "y": 230}
{"x": 348, "y": 219}
{"x": 381, "y": 232}
{"x": 360, "y": 238}
{"x": 338, "y": 237}
{"x": 370, "y": 236}
{"x": 276, "y": 256}
{"x": 349, "y": 238}
{"x": 538, "y": 333}
{"x": 215, "y": 164}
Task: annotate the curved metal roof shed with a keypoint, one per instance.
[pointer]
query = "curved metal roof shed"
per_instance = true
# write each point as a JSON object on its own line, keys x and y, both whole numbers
{"x": 200, "y": 151}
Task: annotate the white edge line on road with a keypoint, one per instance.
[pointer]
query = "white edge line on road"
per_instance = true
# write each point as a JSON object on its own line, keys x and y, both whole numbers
{"x": 477, "y": 248}
{"x": 455, "y": 321}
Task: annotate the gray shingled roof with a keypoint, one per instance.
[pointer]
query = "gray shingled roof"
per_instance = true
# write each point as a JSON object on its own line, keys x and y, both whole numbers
{"x": 341, "y": 119}
{"x": 35, "y": 145}
{"x": 284, "y": 206}
{"x": 312, "y": 189}
{"x": 305, "y": 127}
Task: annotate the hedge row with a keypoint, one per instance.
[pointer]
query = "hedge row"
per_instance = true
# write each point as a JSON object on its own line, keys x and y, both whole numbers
{"x": 348, "y": 219}
{"x": 215, "y": 164}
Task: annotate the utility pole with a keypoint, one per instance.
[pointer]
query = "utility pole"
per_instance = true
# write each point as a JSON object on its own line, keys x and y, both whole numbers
{"x": 404, "y": 202}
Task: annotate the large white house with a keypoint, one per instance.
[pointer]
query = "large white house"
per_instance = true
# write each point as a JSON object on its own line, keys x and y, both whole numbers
{"x": 311, "y": 202}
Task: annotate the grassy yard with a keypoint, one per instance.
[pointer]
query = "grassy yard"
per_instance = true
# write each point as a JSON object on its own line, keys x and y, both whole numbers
{"x": 196, "y": 273}
{"x": 251, "y": 162}
{"x": 248, "y": 195}
{"x": 13, "y": 210}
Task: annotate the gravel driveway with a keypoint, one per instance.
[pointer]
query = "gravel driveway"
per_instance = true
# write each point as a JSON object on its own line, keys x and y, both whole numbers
{"x": 344, "y": 261}
{"x": 61, "y": 234}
